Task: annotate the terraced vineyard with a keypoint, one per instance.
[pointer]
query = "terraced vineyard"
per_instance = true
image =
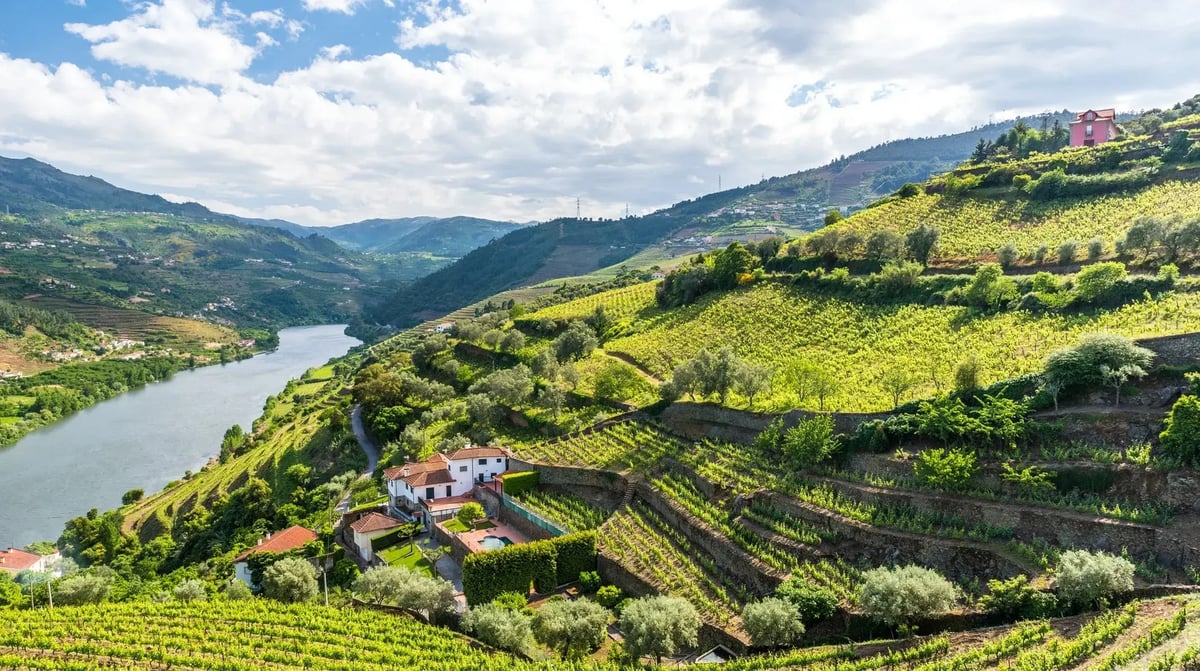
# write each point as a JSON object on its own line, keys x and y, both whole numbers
{"x": 569, "y": 512}
{"x": 971, "y": 226}
{"x": 624, "y": 445}
{"x": 646, "y": 545}
{"x": 623, "y": 303}
{"x": 233, "y": 636}
{"x": 777, "y": 325}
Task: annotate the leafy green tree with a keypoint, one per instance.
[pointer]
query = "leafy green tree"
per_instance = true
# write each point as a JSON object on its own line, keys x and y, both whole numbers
{"x": 470, "y": 513}
{"x": 945, "y": 469}
{"x": 810, "y": 442}
{"x": 899, "y": 596}
{"x": 966, "y": 376}
{"x": 833, "y": 216}
{"x": 1016, "y": 599}
{"x": 897, "y": 382}
{"x": 1117, "y": 377}
{"x": 10, "y": 593}
{"x": 403, "y": 587}
{"x": 1083, "y": 365}
{"x": 1007, "y": 255}
{"x": 601, "y": 323}
{"x": 884, "y": 245}
{"x": 132, "y": 496}
{"x": 545, "y": 365}
{"x": 752, "y": 380}
{"x": 80, "y": 590}
{"x": 577, "y": 342}
{"x": 290, "y": 580}
{"x": 1095, "y": 249}
{"x": 1088, "y": 579}
{"x": 238, "y": 591}
{"x": 989, "y": 289}
{"x": 1181, "y": 437}
{"x": 510, "y": 386}
{"x": 191, "y": 590}
{"x": 500, "y": 627}
{"x": 618, "y": 382}
{"x": 772, "y": 623}
{"x": 731, "y": 263}
{"x": 512, "y": 341}
{"x": 1177, "y": 147}
{"x": 574, "y": 627}
{"x": 1093, "y": 280}
{"x": 897, "y": 276}
{"x": 659, "y": 626}
{"x": 1067, "y": 252}
{"x": 812, "y": 601}
{"x": 921, "y": 241}
{"x": 553, "y": 399}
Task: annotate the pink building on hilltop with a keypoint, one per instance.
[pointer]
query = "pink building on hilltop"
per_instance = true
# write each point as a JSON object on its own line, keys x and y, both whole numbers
{"x": 1093, "y": 127}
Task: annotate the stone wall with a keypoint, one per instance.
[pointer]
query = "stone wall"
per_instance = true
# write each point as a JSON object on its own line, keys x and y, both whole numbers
{"x": 708, "y": 420}
{"x": 571, "y": 476}
{"x": 1176, "y": 350}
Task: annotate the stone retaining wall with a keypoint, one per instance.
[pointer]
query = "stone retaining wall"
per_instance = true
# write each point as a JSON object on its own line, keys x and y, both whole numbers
{"x": 571, "y": 476}
{"x": 1175, "y": 350}
{"x": 708, "y": 420}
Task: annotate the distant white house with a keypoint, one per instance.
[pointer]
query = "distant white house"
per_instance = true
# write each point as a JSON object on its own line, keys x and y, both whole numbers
{"x": 13, "y": 561}
{"x": 416, "y": 489}
{"x": 369, "y": 527}
{"x": 444, "y": 327}
{"x": 289, "y": 539}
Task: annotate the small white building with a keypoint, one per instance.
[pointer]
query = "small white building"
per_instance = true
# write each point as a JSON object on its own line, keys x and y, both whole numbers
{"x": 287, "y": 540}
{"x": 369, "y": 527}
{"x": 13, "y": 561}
{"x": 442, "y": 476}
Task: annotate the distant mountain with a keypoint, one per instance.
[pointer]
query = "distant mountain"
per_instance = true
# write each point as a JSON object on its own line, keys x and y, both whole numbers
{"x": 452, "y": 236}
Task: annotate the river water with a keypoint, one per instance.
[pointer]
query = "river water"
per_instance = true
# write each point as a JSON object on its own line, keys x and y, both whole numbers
{"x": 145, "y": 438}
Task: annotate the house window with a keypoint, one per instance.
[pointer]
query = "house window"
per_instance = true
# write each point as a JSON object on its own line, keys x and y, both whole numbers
{"x": 1087, "y": 130}
{"x": 483, "y": 462}
{"x": 462, "y": 469}
{"x": 429, "y": 493}
{"x": 1091, "y": 117}
{"x": 447, "y": 490}
{"x": 499, "y": 460}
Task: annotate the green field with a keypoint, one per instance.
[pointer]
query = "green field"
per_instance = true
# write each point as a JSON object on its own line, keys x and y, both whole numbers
{"x": 408, "y": 556}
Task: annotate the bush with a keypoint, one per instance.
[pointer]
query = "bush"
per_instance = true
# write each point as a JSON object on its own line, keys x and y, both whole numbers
{"x": 608, "y": 596}
{"x": 1016, "y": 599}
{"x": 574, "y": 628}
{"x": 516, "y": 484}
{"x": 132, "y": 496}
{"x": 191, "y": 590}
{"x": 813, "y": 602}
{"x": 1067, "y": 252}
{"x": 546, "y": 564}
{"x": 810, "y": 442}
{"x": 498, "y": 626}
{"x": 1168, "y": 273}
{"x": 589, "y": 581}
{"x": 403, "y": 587}
{"x": 658, "y": 626}
{"x": 1092, "y": 281}
{"x": 238, "y": 591}
{"x": 772, "y": 623}
{"x": 896, "y": 277}
{"x": 1021, "y": 181}
{"x": 945, "y": 469}
{"x": 1007, "y": 254}
{"x": 1084, "y": 364}
{"x": 898, "y": 596}
{"x": 470, "y": 513}
{"x": 513, "y": 601}
{"x": 1095, "y": 249}
{"x": 290, "y": 580}
{"x": 1181, "y": 437}
{"x": 82, "y": 589}
{"x": 1087, "y": 579}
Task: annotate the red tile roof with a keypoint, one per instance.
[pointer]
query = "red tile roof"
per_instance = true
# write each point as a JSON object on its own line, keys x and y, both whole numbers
{"x": 479, "y": 453}
{"x": 372, "y": 522}
{"x": 428, "y": 478}
{"x": 1108, "y": 114}
{"x": 288, "y": 539}
{"x": 15, "y": 560}
{"x": 401, "y": 472}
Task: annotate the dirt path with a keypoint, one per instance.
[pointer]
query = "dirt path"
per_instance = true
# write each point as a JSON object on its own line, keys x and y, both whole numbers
{"x": 642, "y": 372}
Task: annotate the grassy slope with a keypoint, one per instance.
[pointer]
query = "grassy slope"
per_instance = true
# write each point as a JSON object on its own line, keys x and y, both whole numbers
{"x": 775, "y": 324}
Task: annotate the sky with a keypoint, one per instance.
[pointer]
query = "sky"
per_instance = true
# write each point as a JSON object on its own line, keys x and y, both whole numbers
{"x": 330, "y": 111}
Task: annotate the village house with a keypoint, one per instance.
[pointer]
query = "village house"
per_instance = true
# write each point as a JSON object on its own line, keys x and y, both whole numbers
{"x": 13, "y": 561}
{"x": 369, "y": 527}
{"x": 436, "y": 488}
{"x": 1093, "y": 127}
{"x": 287, "y": 540}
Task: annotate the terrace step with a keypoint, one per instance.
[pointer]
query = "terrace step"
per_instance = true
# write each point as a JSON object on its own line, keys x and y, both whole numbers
{"x": 630, "y": 491}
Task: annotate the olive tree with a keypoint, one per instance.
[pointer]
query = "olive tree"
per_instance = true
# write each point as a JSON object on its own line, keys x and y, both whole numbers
{"x": 772, "y": 622}
{"x": 498, "y": 626}
{"x": 82, "y": 589}
{"x": 658, "y": 626}
{"x": 290, "y": 580}
{"x": 191, "y": 590}
{"x": 403, "y": 587}
{"x": 1092, "y": 578}
{"x": 574, "y": 628}
{"x": 898, "y": 596}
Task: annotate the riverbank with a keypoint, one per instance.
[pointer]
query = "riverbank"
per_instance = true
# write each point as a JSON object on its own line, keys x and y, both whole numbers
{"x": 146, "y": 437}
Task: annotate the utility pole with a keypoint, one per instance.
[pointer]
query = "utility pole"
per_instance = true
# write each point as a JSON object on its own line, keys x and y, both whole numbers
{"x": 577, "y": 209}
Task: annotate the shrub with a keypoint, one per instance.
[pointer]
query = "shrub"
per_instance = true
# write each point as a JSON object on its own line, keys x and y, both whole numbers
{"x": 772, "y": 623}
{"x": 498, "y": 626}
{"x": 574, "y": 628}
{"x": 909, "y": 190}
{"x": 1016, "y": 599}
{"x": 589, "y": 581}
{"x": 517, "y": 484}
{"x": 1039, "y": 254}
{"x": 191, "y": 590}
{"x": 290, "y": 580}
{"x": 1181, "y": 436}
{"x": 658, "y": 626}
{"x": 608, "y": 596}
{"x": 470, "y": 513}
{"x": 238, "y": 591}
{"x": 813, "y": 602}
{"x": 810, "y": 442}
{"x": 1168, "y": 273}
{"x": 405, "y": 588}
{"x": 945, "y": 469}
{"x": 1007, "y": 254}
{"x": 1021, "y": 181}
{"x": 896, "y": 277}
{"x": 1084, "y": 364}
{"x": 898, "y": 596}
{"x": 1087, "y": 579}
{"x": 546, "y": 564}
{"x": 512, "y": 601}
{"x": 82, "y": 589}
{"x": 132, "y": 496}
{"x": 1067, "y": 252}
{"x": 1092, "y": 281}
{"x": 1095, "y": 249}
{"x": 966, "y": 376}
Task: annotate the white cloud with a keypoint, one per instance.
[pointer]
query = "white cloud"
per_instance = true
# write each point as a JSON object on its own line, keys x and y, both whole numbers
{"x": 77, "y": 3}
{"x": 343, "y": 6}
{"x": 542, "y": 102}
{"x": 182, "y": 38}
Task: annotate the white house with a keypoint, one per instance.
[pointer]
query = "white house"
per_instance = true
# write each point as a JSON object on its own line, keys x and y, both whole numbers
{"x": 443, "y": 476}
{"x": 369, "y": 527}
{"x": 13, "y": 561}
{"x": 289, "y": 539}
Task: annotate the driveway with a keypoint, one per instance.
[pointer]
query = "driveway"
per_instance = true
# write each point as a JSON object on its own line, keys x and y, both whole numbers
{"x": 368, "y": 446}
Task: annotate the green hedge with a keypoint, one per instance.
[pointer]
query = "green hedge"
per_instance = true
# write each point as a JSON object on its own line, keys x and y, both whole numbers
{"x": 388, "y": 540}
{"x": 519, "y": 483}
{"x": 546, "y": 564}
{"x": 487, "y": 575}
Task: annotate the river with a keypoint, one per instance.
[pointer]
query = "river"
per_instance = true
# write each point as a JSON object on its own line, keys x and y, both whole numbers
{"x": 145, "y": 438}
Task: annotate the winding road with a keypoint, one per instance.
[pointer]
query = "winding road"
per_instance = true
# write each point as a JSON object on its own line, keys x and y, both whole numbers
{"x": 364, "y": 439}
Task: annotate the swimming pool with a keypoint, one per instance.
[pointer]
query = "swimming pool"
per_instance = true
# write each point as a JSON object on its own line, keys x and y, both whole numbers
{"x": 494, "y": 542}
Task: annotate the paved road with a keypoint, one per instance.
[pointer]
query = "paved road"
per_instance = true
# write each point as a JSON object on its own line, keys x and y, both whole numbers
{"x": 364, "y": 440}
